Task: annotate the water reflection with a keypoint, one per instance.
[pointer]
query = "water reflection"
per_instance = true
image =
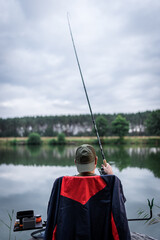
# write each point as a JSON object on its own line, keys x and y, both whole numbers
{"x": 39, "y": 156}
{"x": 140, "y": 157}
{"x": 20, "y": 179}
{"x": 121, "y": 157}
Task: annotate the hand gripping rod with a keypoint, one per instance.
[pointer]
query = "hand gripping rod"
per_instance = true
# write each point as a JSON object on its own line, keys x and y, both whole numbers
{"x": 93, "y": 120}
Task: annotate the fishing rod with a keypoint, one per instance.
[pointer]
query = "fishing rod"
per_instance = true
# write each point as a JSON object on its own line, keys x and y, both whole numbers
{"x": 92, "y": 116}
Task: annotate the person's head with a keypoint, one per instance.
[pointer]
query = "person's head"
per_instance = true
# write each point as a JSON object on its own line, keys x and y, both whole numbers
{"x": 85, "y": 158}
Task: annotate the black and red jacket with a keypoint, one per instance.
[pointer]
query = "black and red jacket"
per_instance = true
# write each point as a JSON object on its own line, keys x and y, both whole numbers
{"x": 87, "y": 208}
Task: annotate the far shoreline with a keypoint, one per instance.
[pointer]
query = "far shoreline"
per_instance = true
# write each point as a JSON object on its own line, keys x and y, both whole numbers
{"x": 76, "y": 140}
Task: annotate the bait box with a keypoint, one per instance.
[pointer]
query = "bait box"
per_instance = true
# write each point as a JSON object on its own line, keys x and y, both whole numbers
{"x": 29, "y": 223}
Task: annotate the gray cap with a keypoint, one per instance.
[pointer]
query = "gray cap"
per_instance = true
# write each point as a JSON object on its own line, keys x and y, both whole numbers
{"x": 85, "y": 158}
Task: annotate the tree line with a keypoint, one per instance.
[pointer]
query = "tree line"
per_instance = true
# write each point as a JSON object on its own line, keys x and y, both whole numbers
{"x": 136, "y": 124}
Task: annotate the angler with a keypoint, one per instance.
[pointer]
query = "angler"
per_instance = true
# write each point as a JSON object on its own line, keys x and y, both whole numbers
{"x": 87, "y": 206}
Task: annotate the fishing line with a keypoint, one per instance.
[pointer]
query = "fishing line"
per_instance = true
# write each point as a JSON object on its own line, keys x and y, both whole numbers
{"x": 92, "y": 116}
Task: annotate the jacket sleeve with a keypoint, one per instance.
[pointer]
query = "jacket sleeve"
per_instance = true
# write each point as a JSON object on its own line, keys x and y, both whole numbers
{"x": 119, "y": 220}
{"x": 52, "y": 211}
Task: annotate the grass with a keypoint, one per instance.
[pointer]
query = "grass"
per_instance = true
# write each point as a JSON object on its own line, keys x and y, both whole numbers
{"x": 9, "y": 226}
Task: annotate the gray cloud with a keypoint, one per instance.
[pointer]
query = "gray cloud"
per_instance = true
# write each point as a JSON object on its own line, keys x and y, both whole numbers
{"x": 118, "y": 48}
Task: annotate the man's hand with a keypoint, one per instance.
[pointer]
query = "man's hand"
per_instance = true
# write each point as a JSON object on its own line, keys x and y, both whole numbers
{"x": 107, "y": 168}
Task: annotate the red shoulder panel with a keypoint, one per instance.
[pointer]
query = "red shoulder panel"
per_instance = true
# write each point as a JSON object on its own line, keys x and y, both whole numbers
{"x": 81, "y": 189}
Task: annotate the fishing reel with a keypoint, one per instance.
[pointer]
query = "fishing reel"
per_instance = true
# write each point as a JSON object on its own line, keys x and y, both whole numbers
{"x": 101, "y": 171}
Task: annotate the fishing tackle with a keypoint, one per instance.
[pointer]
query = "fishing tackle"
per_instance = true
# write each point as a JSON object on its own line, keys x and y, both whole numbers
{"x": 150, "y": 204}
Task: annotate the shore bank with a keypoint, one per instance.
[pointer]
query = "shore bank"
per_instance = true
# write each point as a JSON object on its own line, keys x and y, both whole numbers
{"x": 128, "y": 140}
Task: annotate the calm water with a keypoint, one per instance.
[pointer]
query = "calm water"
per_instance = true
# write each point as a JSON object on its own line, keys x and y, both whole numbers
{"x": 27, "y": 175}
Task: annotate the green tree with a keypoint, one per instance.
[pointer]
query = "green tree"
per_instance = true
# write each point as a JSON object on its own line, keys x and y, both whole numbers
{"x": 49, "y": 131}
{"x": 153, "y": 123}
{"x": 120, "y": 126}
{"x": 34, "y": 139}
{"x": 61, "y": 138}
{"x": 102, "y": 125}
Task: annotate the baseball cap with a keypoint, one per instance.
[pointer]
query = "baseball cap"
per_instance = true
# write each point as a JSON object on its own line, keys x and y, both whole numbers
{"x": 85, "y": 158}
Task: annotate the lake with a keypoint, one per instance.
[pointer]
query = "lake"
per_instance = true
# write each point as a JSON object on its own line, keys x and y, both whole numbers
{"x": 27, "y": 175}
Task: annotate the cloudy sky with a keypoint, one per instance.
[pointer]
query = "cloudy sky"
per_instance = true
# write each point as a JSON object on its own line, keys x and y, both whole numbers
{"x": 118, "y": 44}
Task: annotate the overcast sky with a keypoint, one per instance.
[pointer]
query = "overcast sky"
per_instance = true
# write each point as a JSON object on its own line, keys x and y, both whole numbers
{"x": 118, "y": 45}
